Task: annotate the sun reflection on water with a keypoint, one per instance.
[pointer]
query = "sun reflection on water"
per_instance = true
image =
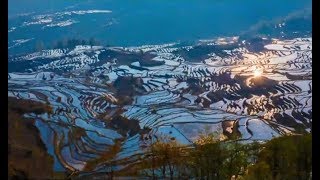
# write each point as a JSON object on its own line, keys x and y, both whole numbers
{"x": 257, "y": 72}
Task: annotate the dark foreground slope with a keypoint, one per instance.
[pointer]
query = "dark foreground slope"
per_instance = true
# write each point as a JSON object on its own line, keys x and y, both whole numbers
{"x": 27, "y": 155}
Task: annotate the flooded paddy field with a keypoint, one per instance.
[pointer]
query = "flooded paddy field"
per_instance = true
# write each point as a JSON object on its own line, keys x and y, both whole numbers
{"x": 125, "y": 97}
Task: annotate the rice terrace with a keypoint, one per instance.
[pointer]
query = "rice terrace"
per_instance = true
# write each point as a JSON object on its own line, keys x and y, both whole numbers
{"x": 217, "y": 106}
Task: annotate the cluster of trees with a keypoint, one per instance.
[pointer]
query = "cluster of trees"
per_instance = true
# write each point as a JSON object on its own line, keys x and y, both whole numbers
{"x": 287, "y": 157}
{"x": 70, "y": 43}
{"x": 66, "y": 43}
